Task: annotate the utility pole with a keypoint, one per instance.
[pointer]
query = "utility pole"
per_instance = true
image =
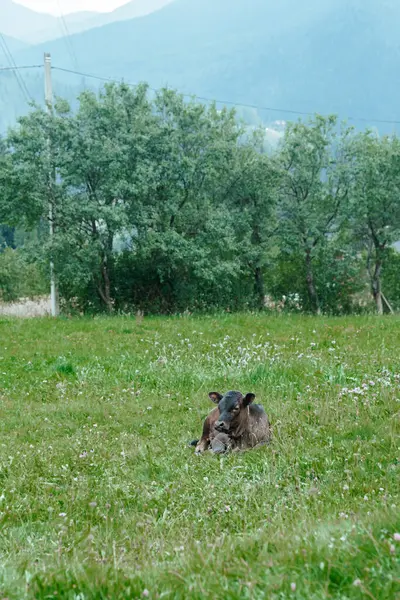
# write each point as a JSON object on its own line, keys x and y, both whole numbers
{"x": 48, "y": 89}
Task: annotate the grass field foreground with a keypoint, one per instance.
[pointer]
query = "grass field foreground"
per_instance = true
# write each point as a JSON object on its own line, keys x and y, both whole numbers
{"x": 101, "y": 497}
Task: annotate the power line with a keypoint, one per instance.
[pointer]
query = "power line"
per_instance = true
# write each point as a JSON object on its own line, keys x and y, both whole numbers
{"x": 21, "y": 67}
{"x": 109, "y": 79}
{"x": 66, "y": 35}
{"x": 228, "y": 102}
{"x": 18, "y": 76}
{"x": 11, "y": 61}
{"x": 204, "y": 99}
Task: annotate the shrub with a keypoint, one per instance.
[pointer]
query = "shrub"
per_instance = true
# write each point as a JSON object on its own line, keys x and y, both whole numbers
{"x": 20, "y": 278}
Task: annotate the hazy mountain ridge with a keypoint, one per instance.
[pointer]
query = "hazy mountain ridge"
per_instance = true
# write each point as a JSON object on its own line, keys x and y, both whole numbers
{"x": 132, "y": 10}
{"x": 22, "y": 23}
{"x": 34, "y": 27}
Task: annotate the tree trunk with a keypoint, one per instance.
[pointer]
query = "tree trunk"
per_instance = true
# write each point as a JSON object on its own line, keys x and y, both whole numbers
{"x": 375, "y": 273}
{"x": 103, "y": 285}
{"x": 312, "y": 291}
{"x": 105, "y": 289}
{"x": 376, "y": 286}
{"x": 259, "y": 287}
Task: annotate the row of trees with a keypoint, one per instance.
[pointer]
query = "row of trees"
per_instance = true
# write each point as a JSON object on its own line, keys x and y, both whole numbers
{"x": 166, "y": 205}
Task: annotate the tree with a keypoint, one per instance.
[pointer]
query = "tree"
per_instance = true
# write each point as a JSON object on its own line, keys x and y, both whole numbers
{"x": 375, "y": 202}
{"x": 186, "y": 235}
{"x": 29, "y": 184}
{"x": 252, "y": 198}
{"x": 89, "y": 166}
{"x": 316, "y": 176}
{"x": 6, "y": 232}
{"x": 103, "y": 159}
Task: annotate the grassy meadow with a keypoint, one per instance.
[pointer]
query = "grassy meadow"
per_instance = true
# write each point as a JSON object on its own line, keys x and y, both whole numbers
{"x": 102, "y": 498}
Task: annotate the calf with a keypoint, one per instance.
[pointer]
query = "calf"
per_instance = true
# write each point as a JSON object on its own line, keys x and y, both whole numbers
{"x": 235, "y": 424}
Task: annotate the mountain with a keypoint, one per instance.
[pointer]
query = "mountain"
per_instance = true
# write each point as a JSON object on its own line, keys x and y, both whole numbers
{"x": 33, "y": 27}
{"x": 13, "y": 46}
{"x": 22, "y": 23}
{"x": 131, "y": 10}
{"x": 336, "y": 56}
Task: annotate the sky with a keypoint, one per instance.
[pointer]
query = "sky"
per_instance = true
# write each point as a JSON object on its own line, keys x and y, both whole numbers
{"x": 69, "y": 6}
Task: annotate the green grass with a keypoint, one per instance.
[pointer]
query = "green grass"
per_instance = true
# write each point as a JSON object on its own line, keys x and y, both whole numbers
{"x": 101, "y": 497}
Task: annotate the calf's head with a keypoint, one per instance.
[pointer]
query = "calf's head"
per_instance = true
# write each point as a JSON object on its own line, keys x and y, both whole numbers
{"x": 231, "y": 406}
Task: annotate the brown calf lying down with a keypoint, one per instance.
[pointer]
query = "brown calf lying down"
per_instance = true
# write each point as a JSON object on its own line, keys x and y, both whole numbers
{"x": 235, "y": 424}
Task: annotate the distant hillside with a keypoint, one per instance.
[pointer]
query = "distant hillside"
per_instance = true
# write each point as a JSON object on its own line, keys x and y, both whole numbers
{"x": 13, "y": 45}
{"x": 331, "y": 56}
{"x": 31, "y": 26}
{"x": 22, "y": 23}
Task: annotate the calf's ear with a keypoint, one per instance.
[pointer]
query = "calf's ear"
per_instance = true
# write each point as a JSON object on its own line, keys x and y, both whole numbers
{"x": 215, "y": 397}
{"x": 248, "y": 399}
